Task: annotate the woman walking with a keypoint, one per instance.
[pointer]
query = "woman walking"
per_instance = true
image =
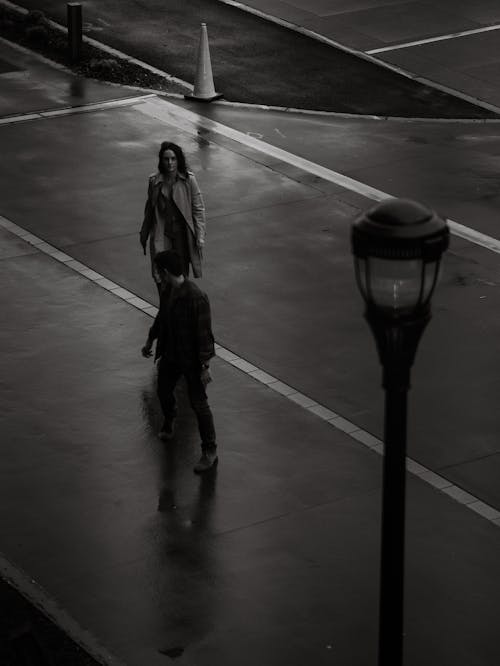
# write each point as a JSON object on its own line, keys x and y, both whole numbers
{"x": 174, "y": 215}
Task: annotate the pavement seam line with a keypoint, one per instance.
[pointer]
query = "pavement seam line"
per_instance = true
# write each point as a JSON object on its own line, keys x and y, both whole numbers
{"x": 198, "y": 125}
{"x": 38, "y": 597}
{"x": 338, "y": 422}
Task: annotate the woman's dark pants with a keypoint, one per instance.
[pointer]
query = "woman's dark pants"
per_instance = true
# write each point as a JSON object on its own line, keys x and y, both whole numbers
{"x": 169, "y": 374}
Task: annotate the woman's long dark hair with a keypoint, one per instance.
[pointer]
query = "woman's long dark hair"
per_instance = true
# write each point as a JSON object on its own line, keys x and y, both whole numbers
{"x": 182, "y": 166}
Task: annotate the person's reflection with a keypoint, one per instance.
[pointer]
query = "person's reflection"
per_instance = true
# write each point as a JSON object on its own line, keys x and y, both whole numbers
{"x": 77, "y": 88}
{"x": 186, "y": 558}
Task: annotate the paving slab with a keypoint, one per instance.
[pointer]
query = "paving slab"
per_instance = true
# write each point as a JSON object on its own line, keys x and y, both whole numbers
{"x": 483, "y": 472}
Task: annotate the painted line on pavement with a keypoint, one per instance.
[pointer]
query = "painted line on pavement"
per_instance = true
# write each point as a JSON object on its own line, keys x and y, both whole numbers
{"x": 70, "y": 110}
{"x": 39, "y": 598}
{"x": 273, "y": 383}
{"x": 196, "y": 124}
{"x": 430, "y": 40}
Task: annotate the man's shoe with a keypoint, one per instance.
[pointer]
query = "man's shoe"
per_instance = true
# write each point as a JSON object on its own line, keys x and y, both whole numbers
{"x": 167, "y": 430}
{"x": 207, "y": 461}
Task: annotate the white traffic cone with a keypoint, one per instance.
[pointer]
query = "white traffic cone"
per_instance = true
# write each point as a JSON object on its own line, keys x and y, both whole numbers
{"x": 204, "y": 90}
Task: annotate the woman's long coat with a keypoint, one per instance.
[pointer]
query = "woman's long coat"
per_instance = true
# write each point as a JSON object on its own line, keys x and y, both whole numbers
{"x": 188, "y": 199}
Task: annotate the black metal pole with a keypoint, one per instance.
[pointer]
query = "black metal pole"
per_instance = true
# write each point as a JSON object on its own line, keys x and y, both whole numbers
{"x": 393, "y": 527}
{"x": 397, "y": 341}
{"x": 74, "y": 23}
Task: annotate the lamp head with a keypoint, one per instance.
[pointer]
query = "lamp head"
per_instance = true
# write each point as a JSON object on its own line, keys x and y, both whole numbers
{"x": 397, "y": 247}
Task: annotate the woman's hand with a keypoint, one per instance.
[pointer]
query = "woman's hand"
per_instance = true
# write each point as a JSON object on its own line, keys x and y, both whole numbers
{"x": 146, "y": 351}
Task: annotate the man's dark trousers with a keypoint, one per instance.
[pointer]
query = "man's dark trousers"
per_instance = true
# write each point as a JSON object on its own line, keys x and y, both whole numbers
{"x": 169, "y": 374}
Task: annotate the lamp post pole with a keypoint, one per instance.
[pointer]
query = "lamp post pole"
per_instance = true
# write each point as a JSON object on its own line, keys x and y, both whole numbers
{"x": 393, "y": 525}
{"x": 397, "y": 342}
{"x": 397, "y": 247}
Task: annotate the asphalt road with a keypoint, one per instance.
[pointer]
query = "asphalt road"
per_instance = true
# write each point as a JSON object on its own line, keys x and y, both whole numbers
{"x": 256, "y": 61}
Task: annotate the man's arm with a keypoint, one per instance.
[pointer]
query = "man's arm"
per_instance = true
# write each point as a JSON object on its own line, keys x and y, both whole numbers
{"x": 205, "y": 336}
{"x": 153, "y": 333}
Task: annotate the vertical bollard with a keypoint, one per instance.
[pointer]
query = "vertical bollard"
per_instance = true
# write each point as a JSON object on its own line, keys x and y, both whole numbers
{"x": 74, "y": 22}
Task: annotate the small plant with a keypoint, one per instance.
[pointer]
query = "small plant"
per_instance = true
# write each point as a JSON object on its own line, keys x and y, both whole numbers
{"x": 6, "y": 24}
{"x": 35, "y": 17}
{"x": 103, "y": 66}
{"x": 37, "y": 34}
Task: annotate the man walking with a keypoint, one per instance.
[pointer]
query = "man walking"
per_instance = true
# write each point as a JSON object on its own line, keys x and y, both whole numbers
{"x": 185, "y": 345}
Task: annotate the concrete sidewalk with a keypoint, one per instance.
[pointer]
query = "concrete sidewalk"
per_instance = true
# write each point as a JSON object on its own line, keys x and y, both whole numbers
{"x": 274, "y": 558}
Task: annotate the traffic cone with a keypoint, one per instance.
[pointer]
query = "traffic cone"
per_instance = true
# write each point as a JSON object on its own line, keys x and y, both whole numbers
{"x": 204, "y": 90}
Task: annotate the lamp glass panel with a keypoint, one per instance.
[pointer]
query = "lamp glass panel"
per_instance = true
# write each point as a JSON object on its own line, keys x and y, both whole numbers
{"x": 431, "y": 276}
{"x": 395, "y": 284}
{"x": 361, "y": 266}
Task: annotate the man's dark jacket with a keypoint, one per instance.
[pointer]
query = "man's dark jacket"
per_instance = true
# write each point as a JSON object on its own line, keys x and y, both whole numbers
{"x": 183, "y": 326}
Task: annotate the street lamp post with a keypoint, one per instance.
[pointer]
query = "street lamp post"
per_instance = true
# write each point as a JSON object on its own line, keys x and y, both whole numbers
{"x": 397, "y": 247}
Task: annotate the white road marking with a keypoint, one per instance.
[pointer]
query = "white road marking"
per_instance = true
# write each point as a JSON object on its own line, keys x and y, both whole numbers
{"x": 258, "y": 374}
{"x": 430, "y": 40}
{"x": 68, "y": 111}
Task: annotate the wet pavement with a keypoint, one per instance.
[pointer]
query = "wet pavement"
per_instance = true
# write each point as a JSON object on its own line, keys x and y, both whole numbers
{"x": 272, "y": 559}
{"x": 451, "y": 165}
{"x": 29, "y": 85}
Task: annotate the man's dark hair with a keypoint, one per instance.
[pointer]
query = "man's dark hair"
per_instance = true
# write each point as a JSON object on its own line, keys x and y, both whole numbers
{"x": 170, "y": 261}
{"x": 178, "y": 152}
